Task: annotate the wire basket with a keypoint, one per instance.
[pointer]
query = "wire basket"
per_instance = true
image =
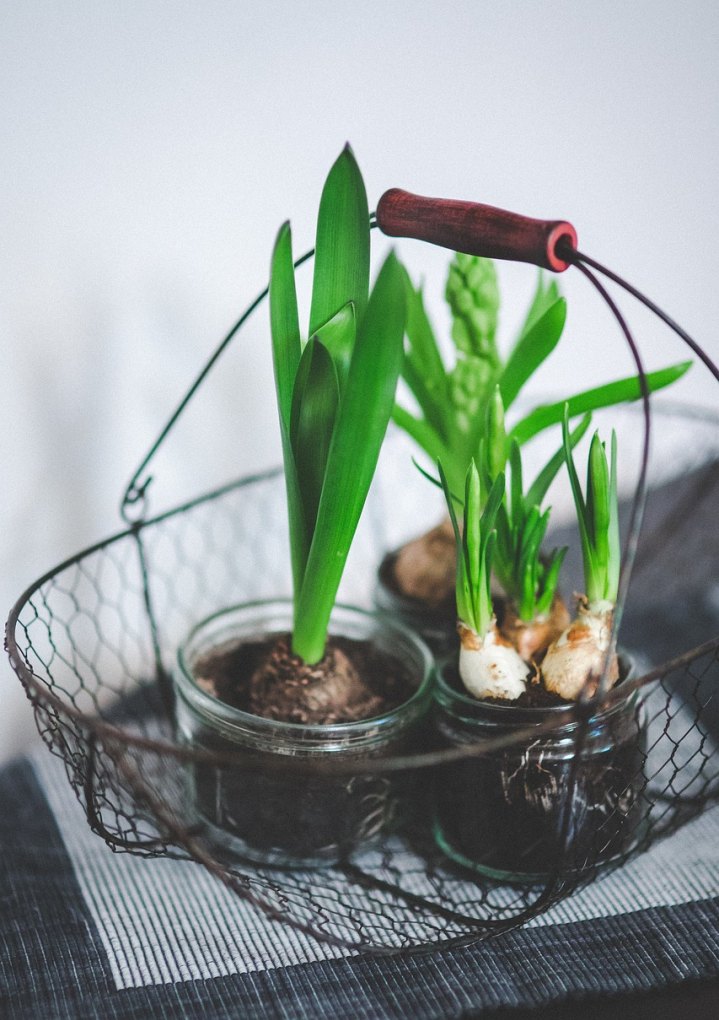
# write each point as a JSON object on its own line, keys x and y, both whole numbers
{"x": 95, "y": 639}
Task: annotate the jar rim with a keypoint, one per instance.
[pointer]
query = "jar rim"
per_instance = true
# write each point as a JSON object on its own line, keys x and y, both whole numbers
{"x": 217, "y": 710}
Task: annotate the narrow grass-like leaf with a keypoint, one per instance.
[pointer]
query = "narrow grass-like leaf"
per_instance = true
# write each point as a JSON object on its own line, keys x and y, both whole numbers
{"x": 338, "y": 336}
{"x": 359, "y": 430}
{"x": 620, "y": 391}
{"x": 516, "y": 487}
{"x": 496, "y": 448}
{"x": 598, "y": 505}
{"x": 540, "y": 486}
{"x": 615, "y": 549}
{"x": 581, "y": 509}
{"x": 314, "y": 408}
{"x": 532, "y": 348}
{"x": 462, "y": 590}
{"x": 423, "y": 347}
{"x": 545, "y": 294}
{"x": 284, "y": 321}
{"x": 472, "y": 537}
{"x": 342, "y": 246}
{"x": 550, "y": 579}
{"x": 432, "y": 409}
{"x": 286, "y": 351}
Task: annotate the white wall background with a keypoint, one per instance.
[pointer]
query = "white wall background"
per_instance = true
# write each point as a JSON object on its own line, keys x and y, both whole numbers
{"x": 150, "y": 150}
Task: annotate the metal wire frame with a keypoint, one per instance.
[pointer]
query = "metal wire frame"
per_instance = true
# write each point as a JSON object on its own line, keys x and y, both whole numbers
{"x": 114, "y": 761}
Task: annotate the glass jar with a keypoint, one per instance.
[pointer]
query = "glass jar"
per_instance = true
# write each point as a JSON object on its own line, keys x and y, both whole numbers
{"x": 503, "y": 813}
{"x": 270, "y": 811}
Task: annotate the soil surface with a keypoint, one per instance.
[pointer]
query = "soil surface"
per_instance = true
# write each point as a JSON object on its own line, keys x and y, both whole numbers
{"x": 354, "y": 681}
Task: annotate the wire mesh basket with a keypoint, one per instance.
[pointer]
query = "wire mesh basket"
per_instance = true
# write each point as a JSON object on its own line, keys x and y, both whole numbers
{"x": 94, "y": 642}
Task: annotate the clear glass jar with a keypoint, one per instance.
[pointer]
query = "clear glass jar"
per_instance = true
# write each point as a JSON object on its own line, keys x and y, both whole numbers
{"x": 502, "y": 813}
{"x": 284, "y": 816}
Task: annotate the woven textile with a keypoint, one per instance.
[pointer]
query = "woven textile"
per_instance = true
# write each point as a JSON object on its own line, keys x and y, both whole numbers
{"x": 85, "y": 933}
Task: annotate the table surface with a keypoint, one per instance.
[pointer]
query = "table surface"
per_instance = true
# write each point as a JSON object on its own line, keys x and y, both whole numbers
{"x": 85, "y": 933}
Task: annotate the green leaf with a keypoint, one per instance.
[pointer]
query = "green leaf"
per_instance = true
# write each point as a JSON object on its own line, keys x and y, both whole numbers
{"x": 341, "y": 271}
{"x": 422, "y": 433}
{"x": 550, "y": 580}
{"x": 284, "y": 321}
{"x": 359, "y": 430}
{"x": 581, "y": 509}
{"x": 462, "y": 592}
{"x": 615, "y": 549}
{"x": 338, "y": 336}
{"x": 516, "y": 486}
{"x": 620, "y": 391}
{"x": 432, "y": 409}
{"x": 539, "y": 488}
{"x": 472, "y": 537}
{"x": 545, "y": 295}
{"x": 532, "y": 348}
{"x": 598, "y": 501}
{"x": 496, "y": 436}
{"x": 286, "y": 348}
{"x": 314, "y": 407}
{"x": 423, "y": 347}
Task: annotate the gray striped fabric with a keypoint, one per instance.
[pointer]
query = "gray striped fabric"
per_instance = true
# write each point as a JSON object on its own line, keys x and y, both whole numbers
{"x": 163, "y": 921}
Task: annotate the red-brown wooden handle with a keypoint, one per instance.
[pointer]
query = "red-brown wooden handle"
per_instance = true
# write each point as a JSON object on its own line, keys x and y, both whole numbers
{"x": 475, "y": 229}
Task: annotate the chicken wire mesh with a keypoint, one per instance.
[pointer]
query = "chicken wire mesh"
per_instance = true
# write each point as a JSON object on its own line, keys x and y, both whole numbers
{"x": 94, "y": 643}
{"x": 95, "y": 640}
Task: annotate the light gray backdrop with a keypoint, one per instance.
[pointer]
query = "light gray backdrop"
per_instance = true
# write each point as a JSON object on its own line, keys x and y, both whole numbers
{"x": 151, "y": 149}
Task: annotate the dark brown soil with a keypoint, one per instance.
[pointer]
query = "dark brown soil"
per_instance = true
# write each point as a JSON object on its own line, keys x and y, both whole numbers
{"x": 354, "y": 681}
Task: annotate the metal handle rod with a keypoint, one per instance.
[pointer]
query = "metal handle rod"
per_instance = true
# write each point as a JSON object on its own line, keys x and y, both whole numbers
{"x": 476, "y": 229}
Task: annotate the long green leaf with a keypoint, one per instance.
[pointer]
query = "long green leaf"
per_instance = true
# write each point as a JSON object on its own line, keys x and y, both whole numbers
{"x": 423, "y": 347}
{"x": 422, "y": 433}
{"x": 620, "y": 391}
{"x": 286, "y": 348}
{"x": 532, "y": 348}
{"x": 359, "y": 430}
{"x": 341, "y": 271}
{"x": 540, "y": 486}
{"x": 338, "y": 336}
{"x": 615, "y": 549}
{"x": 545, "y": 295}
{"x": 472, "y": 536}
{"x": 581, "y": 510}
{"x": 284, "y": 321}
{"x": 598, "y": 503}
{"x": 461, "y": 584}
{"x": 314, "y": 408}
{"x": 433, "y": 410}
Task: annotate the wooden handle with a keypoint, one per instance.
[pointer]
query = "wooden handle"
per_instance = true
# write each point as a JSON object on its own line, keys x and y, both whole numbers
{"x": 475, "y": 229}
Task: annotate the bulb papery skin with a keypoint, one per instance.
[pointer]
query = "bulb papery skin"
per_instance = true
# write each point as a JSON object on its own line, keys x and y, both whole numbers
{"x": 532, "y": 638}
{"x": 575, "y": 662}
{"x": 489, "y": 666}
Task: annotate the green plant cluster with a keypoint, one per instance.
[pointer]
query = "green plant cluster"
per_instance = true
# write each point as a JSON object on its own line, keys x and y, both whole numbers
{"x": 335, "y": 392}
{"x": 451, "y": 399}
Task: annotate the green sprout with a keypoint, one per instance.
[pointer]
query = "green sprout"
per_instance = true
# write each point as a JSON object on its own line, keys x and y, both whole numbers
{"x": 451, "y": 401}
{"x": 335, "y": 392}
{"x": 475, "y": 543}
{"x": 598, "y": 518}
{"x": 528, "y": 576}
